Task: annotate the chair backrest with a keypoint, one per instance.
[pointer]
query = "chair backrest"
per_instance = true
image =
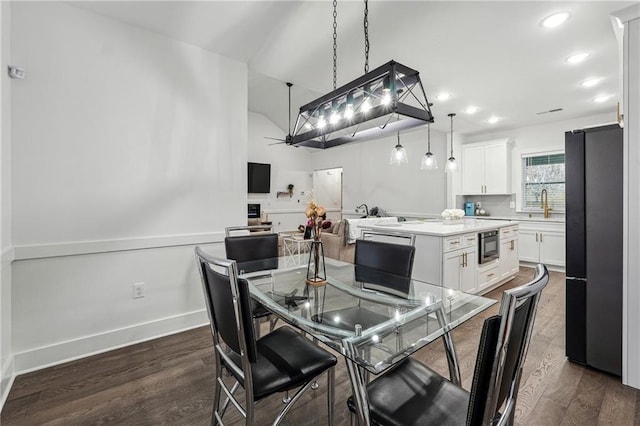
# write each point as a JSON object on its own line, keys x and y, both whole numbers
{"x": 503, "y": 348}
{"x": 384, "y": 266}
{"x": 228, "y": 305}
{"x": 253, "y": 252}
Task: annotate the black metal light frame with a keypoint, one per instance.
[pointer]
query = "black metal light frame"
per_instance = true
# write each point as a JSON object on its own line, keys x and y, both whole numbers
{"x": 397, "y": 83}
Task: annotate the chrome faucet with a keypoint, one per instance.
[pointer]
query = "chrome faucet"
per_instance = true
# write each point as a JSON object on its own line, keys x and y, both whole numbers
{"x": 544, "y": 198}
{"x": 366, "y": 209}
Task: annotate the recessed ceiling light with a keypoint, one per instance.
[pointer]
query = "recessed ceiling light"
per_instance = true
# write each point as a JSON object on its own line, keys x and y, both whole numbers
{"x": 590, "y": 82}
{"x": 471, "y": 109}
{"x": 442, "y": 96}
{"x": 601, "y": 98}
{"x": 555, "y": 19}
{"x": 493, "y": 119}
{"x": 576, "y": 58}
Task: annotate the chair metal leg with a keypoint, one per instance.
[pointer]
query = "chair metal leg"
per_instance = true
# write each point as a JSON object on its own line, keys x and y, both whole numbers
{"x": 217, "y": 391}
{"x": 331, "y": 374}
{"x": 256, "y": 327}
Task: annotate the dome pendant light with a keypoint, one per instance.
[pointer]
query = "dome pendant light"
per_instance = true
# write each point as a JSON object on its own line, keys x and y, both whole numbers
{"x": 398, "y": 154}
{"x": 451, "y": 161}
{"x": 429, "y": 161}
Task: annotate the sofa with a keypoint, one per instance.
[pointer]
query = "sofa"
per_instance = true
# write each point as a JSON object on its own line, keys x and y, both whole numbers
{"x": 334, "y": 242}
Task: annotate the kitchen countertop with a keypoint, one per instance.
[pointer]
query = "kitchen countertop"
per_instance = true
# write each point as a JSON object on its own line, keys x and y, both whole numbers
{"x": 437, "y": 228}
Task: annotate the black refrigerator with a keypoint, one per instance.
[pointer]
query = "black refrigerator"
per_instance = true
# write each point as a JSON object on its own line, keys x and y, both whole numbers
{"x": 593, "y": 176}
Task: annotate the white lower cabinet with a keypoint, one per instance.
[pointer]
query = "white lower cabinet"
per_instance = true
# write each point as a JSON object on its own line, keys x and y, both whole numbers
{"x": 459, "y": 269}
{"x": 542, "y": 243}
{"x": 509, "y": 260}
{"x": 488, "y": 275}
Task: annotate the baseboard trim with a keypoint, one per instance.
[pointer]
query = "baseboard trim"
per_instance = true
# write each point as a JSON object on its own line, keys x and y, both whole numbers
{"x": 6, "y": 380}
{"x": 554, "y": 268}
{"x": 71, "y": 350}
{"x": 39, "y": 251}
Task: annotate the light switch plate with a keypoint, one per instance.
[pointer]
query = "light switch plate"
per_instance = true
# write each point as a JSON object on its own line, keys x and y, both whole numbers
{"x": 512, "y": 205}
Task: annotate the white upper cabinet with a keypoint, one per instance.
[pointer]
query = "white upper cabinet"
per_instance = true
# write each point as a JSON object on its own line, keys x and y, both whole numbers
{"x": 486, "y": 167}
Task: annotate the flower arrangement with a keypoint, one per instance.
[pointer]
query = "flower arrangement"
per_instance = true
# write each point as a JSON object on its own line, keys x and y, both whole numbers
{"x": 452, "y": 214}
{"x": 316, "y": 216}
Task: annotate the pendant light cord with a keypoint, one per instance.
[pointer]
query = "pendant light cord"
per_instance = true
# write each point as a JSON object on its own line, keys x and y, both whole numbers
{"x": 335, "y": 43}
{"x": 452, "y": 115}
{"x": 429, "y": 137}
{"x": 366, "y": 36}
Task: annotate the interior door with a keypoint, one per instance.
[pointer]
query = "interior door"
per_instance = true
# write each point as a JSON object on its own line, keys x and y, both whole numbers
{"x": 327, "y": 191}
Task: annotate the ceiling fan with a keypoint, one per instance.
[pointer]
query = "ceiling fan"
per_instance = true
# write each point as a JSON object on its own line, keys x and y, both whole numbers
{"x": 287, "y": 139}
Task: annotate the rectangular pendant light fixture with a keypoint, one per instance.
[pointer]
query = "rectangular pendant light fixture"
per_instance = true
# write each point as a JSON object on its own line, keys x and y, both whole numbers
{"x": 382, "y": 102}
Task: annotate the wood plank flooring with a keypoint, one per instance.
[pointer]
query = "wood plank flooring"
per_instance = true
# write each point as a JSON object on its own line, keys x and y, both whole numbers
{"x": 170, "y": 381}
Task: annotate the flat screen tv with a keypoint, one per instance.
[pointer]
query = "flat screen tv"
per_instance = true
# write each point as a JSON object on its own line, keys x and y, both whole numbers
{"x": 259, "y": 178}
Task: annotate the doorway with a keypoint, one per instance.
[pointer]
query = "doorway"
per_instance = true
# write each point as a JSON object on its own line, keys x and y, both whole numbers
{"x": 327, "y": 191}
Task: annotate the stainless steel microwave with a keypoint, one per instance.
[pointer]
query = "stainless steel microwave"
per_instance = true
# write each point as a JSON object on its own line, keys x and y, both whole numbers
{"x": 488, "y": 246}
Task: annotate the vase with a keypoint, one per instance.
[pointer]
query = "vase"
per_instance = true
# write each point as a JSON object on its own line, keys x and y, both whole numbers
{"x": 316, "y": 271}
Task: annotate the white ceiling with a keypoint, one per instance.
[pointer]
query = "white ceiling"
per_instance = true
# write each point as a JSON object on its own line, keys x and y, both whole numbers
{"x": 494, "y": 55}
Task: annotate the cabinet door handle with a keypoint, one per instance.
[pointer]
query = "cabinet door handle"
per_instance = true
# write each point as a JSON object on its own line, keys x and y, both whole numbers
{"x": 536, "y": 237}
{"x": 541, "y": 237}
{"x": 466, "y": 262}
{"x": 512, "y": 245}
{"x": 490, "y": 275}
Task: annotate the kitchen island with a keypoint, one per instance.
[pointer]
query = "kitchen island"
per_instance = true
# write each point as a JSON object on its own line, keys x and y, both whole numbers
{"x": 456, "y": 256}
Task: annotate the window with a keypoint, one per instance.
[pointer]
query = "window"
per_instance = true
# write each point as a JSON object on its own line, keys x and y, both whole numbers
{"x": 543, "y": 171}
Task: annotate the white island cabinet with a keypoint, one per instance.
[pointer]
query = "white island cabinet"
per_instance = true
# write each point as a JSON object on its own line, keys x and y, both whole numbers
{"x": 448, "y": 255}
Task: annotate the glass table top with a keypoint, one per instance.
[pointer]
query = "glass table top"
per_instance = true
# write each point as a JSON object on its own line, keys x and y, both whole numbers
{"x": 357, "y": 315}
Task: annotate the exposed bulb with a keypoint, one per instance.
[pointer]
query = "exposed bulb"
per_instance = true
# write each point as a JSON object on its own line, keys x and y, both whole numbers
{"x": 386, "y": 97}
{"x": 429, "y": 162}
{"x": 321, "y": 122}
{"x": 451, "y": 165}
{"x": 335, "y": 117}
{"x": 348, "y": 112}
{"x": 398, "y": 156}
{"x": 366, "y": 105}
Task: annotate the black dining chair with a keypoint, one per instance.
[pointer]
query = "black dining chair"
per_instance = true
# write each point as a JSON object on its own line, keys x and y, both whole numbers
{"x": 413, "y": 394}
{"x": 254, "y": 252}
{"x": 278, "y": 362}
{"x": 379, "y": 266}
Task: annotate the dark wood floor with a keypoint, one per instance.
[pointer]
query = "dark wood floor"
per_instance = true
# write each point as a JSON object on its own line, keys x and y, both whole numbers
{"x": 170, "y": 381}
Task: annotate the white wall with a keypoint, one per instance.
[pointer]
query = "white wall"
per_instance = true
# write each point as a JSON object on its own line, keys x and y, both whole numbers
{"x": 369, "y": 178}
{"x": 6, "y": 252}
{"x": 288, "y": 165}
{"x": 128, "y": 148}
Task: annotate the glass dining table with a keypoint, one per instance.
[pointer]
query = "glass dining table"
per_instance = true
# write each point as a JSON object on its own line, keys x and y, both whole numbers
{"x": 355, "y": 314}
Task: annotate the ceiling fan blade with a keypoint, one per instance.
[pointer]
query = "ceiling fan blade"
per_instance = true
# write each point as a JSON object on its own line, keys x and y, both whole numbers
{"x": 275, "y": 139}
{"x": 276, "y": 143}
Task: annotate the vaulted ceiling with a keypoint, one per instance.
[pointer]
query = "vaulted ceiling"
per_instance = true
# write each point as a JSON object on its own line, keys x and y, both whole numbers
{"x": 494, "y": 55}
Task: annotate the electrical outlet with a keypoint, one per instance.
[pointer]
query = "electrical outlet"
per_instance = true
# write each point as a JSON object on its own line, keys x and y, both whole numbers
{"x": 138, "y": 290}
{"x": 512, "y": 205}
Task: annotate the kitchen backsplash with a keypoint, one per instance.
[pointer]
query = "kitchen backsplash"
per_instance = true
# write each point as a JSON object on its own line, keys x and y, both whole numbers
{"x": 497, "y": 205}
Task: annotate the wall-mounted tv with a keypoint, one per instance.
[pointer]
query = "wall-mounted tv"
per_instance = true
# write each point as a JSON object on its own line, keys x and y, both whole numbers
{"x": 259, "y": 178}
